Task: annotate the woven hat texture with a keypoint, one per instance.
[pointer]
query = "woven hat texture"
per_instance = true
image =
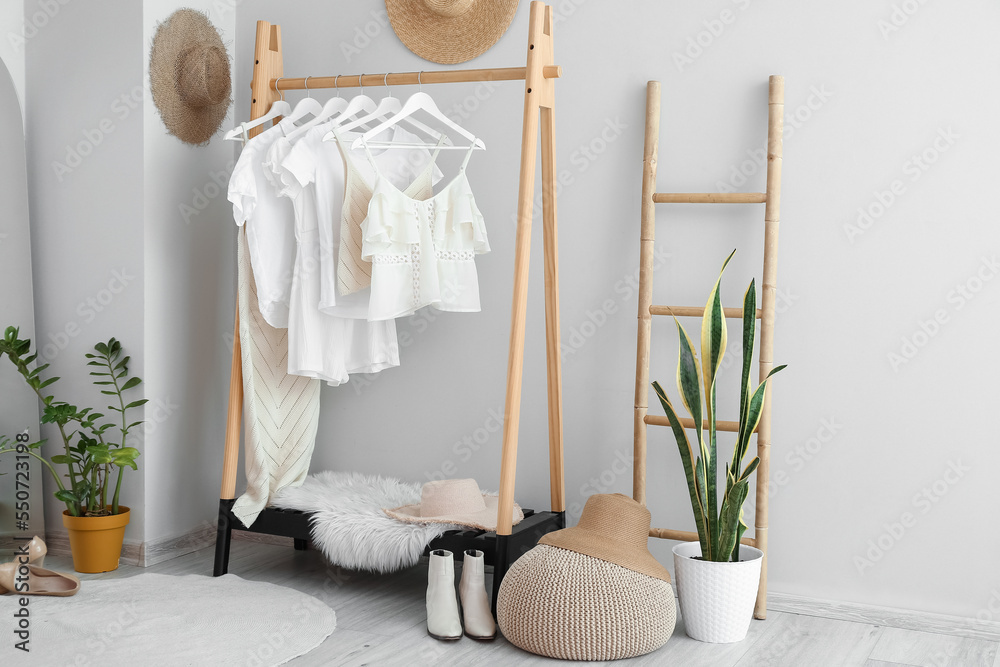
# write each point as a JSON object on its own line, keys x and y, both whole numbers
{"x": 615, "y": 528}
{"x": 563, "y": 604}
{"x": 454, "y": 501}
{"x": 189, "y": 76}
{"x": 450, "y": 31}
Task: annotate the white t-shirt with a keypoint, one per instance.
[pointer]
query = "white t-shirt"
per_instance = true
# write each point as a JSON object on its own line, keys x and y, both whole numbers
{"x": 320, "y": 345}
{"x": 312, "y": 161}
{"x": 269, "y": 221}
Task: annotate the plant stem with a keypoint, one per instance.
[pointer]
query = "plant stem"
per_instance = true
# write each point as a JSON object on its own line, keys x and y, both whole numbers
{"x": 118, "y": 488}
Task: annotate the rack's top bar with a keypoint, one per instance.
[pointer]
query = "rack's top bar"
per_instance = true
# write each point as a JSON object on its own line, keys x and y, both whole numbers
{"x": 410, "y": 78}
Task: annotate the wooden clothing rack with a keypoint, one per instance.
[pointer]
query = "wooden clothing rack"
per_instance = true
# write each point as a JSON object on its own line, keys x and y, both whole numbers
{"x": 538, "y": 74}
{"x": 771, "y": 200}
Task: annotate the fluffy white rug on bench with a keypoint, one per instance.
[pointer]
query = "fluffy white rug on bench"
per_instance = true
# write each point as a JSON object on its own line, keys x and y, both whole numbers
{"x": 349, "y": 526}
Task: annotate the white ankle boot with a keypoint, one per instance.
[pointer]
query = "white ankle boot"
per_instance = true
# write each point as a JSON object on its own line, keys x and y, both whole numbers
{"x": 442, "y": 607}
{"x": 475, "y": 603}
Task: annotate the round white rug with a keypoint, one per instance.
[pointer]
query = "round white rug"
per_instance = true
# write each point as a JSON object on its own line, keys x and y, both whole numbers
{"x": 156, "y": 619}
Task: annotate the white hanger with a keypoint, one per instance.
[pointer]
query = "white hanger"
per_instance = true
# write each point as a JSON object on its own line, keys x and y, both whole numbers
{"x": 419, "y": 101}
{"x": 387, "y": 107}
{"x": 357, "y": 104}
{"x": 333, "y": 106}
{"x": 306, "y": 106}
{"x": 279, "y": 108}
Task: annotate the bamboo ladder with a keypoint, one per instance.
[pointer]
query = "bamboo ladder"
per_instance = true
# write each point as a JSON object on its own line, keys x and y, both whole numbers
{"x": 771, "y": 200}
{"x": 538, "y": 74}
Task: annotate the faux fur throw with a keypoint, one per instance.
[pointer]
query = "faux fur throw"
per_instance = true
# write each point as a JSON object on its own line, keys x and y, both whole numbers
{"x": 349, "y": 526}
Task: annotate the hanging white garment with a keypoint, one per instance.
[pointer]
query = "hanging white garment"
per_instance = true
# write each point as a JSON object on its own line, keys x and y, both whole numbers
{"x": 269, "y": 224}
{"x": 343, "y": 189}
{"x": 319, "y": 345}
{"x": 281, "y": 411}
{"x": 423, "y": 252}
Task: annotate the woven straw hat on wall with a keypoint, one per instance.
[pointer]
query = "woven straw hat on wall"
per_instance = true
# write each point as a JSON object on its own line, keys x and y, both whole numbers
{"x": 450, "y": 31}
{"x": 189, "y": 76}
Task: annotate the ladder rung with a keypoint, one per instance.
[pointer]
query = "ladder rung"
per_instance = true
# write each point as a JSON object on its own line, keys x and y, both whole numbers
{"x": 657, "y": 420}
{"x": 696, "y": 311}
{"x": 709, "y": 197}
{"x": 687, "y": 536}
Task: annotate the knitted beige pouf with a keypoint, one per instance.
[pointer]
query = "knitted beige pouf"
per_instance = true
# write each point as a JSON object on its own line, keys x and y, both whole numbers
{"x": 563, "y": 604}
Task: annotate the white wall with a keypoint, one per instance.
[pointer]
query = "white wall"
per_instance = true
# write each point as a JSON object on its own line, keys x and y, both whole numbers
{"x": 15, "y": 33}
{"x": 190, "y": 291}
{"x": 859, "y": 105}
{"x": 84, "y": 138}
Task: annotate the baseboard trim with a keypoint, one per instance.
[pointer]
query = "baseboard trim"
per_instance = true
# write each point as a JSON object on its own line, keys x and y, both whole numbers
{"x": 875, "y": 615}
{"x": 57, "y": 544}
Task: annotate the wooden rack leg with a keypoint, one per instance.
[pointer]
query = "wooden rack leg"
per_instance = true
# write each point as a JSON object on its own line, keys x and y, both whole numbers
{"x": 775, "y": 117}
{"x": 557, "y": 483}
{"x": 536, "y": 87}
{"x": 647, "y": 236}
{"x": 267, "y": 65}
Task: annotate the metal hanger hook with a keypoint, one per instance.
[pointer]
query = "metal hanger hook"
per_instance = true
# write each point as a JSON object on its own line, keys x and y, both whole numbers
{"x": 420, "y": 85}
{"x": 307, "y": 87}
{"x": 385, "y": 82}
{"x": 336, "y": 84}
{"x": 281, "y": 93}
{"x": 361, "y": 84}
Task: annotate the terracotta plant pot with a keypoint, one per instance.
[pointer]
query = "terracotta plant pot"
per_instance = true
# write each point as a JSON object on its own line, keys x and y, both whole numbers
{"x": 96, "y": 541}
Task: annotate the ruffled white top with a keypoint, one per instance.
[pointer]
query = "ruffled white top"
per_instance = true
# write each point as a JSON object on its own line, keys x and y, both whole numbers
{"x": 423, "y": 252}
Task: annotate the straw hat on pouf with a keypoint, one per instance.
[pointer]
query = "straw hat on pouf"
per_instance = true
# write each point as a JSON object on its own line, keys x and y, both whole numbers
{"x": 450, "y": 31}
{"x": 591, "y": 592}
{"x": 189, "y": 76}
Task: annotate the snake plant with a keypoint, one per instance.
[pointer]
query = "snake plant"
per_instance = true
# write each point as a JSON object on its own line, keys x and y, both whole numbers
{"x": 719, "y": 530}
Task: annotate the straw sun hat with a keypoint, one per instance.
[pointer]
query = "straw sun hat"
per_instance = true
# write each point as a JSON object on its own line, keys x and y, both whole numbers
{"x": 454, "y": 501}
{"x": 189, "y": 76}
{"x": 450, "y": 31}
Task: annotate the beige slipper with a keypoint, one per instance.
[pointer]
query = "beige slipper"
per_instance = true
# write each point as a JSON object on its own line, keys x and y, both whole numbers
{"x": 37, "y": 581}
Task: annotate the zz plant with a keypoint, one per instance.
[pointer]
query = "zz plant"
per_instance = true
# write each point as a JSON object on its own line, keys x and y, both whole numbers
{"x": 719, "y": 531}
{"x": 94, "y": 450}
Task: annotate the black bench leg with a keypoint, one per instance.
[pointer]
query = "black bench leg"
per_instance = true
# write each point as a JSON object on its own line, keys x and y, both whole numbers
{"x": 223, "y": 538}
{"x": 501, "y": 562}
{"x": 301, "y": 545}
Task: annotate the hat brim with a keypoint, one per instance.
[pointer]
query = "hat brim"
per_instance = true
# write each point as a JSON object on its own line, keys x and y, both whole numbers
{"x": 483, "y": 520}
{"x": 181, "y": 29}
{"x": 450, "y": 40}
{"x": 590, "y": 543}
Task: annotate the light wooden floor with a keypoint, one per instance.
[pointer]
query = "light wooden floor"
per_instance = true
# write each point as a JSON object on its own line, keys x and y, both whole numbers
{"x": 380, "y": 621}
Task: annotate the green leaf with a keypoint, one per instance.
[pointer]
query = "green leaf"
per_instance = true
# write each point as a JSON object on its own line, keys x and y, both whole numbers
{"x": 109, "y": 393}
{"x": 135, "y": 404}
{"x": 684, "y": 447}
{"x": 134, "y": 424}
{"x": 46, "y": 383}
{"x": 122, "y": 363}
{"x": 729, "y": 519}
{"x": 102, "y": 348}
{"x": 750, "y": 468}
{"x": 63, "y": 458}
{"x": 754, "y": 409}
{"x": 67, "y": 496}
{"x": 132, "y": 382}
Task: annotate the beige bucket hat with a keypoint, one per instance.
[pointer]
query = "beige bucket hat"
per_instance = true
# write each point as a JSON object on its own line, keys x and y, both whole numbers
{"x": 456, "y": 501}
{"x": 450, "y": 31}
{"x": 612, "y": 528}
{"x": 189, "y": 76}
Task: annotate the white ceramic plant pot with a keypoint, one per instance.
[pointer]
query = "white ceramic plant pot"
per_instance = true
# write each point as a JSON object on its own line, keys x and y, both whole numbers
{"x": 716, "y": 599}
